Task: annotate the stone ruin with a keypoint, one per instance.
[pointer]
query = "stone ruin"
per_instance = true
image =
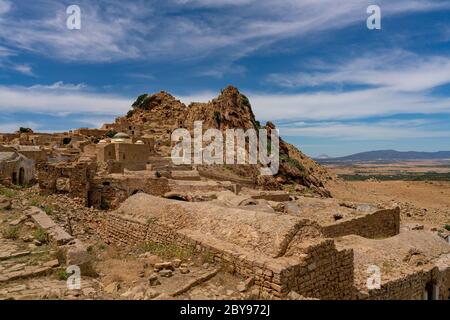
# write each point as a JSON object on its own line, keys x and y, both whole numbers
{"x": 286, "y": 242}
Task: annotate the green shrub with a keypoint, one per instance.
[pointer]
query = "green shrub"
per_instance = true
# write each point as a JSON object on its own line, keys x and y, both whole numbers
{"x": 62, "y": 274}
{"x": 25, "y": 130}
{"x": 217, "y": 117}
{"x": 139, "y": 101}
{"x": 35, "y": 202}
{"x": 130, "y": 113}
{"x": 41, "y": 235}
{"x": 104, "y": 204}
{"x": 7, "y": 192}
{"x": 207, "y": 256}
{"x": 111, "y": 133}
{"x": 447, "y": 227}
{"x": 244, "y": 101}
{"x": 48, "y": 210}
{"x": 11, "y": 233}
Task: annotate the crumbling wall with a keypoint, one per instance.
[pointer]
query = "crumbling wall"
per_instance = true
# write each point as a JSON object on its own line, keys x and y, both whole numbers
{"x": 380, "y": 224}
{"x": 413, "y": 286}
{"x": 324, "y": 273}
{"x": 318, "y": 270}
{"x": 70, "y": 178}
{"x": 109, "y": 192}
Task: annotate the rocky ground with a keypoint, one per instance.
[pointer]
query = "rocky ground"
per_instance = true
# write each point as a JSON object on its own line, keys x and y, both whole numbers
{"x": 32, "y": 266}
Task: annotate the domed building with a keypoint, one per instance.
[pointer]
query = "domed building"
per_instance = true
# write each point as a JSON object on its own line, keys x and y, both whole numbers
{"x": 122, "y": 153}
{"x": 121, "y": 137}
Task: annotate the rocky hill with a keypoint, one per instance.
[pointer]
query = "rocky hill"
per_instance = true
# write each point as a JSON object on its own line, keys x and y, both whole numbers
{"x": 231, "y": 109}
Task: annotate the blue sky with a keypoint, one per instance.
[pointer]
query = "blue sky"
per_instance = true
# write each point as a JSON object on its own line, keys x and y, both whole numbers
{"x": 313, "y": 67}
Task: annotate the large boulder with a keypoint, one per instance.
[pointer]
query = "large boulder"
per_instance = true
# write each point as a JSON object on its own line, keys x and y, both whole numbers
{"x": 77, "y": 255}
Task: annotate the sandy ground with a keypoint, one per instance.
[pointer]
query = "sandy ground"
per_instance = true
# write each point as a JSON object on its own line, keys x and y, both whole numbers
{"x": 422, "y": 201}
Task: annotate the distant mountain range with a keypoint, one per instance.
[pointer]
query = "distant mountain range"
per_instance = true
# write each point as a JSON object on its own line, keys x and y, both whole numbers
{"x": 387, "y": 156}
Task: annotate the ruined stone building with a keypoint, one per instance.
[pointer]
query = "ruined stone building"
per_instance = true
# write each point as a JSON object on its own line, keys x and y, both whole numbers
{"x": 315, "y": 246}
{"x": 314, "y": 255}
{"x": 15, "y": 168}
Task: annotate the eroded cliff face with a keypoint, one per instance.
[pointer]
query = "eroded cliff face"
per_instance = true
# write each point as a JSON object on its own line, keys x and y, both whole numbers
{"x": 231, "y": 110}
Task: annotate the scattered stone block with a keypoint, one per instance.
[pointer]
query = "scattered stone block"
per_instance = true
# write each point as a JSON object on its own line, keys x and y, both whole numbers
{"x": 51, "y": 263}
{"x": 5, "y": 203}
{"x": 88, "y": 291}
{"x": 293, "y": 296}
{"x": 338, "y": 216}
{"x": 291, "y": 208}
{"x": 76, "y": 254}
{"x": 184, "y": 270}
{"x": 153, "y": 280}
{"x": 16, "y": 222}
{"x": 163, "y": 266}
{"x": 151, "y": 293}
{"x": 166, "y": 273}
{"x": 112, "y": 288}
{"x": 245, "y": 285}
{"x": 176, "y": 263}
{"x": 30, "y": 224}
{"x": 27, "y": 238}
{"x": 57, "y": 233}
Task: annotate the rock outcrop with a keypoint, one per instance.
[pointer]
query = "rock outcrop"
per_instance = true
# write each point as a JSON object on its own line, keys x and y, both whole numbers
{"x": 230, "y": 110}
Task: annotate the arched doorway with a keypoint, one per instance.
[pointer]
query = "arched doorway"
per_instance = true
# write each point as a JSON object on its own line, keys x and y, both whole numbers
{"x": 14, "y": 178}
{"x": 431, "y": 291}
{"x": 21, "y": 176}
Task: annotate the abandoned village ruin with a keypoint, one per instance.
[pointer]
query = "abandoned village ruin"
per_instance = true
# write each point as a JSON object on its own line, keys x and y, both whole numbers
{"x": 284, "y": 235}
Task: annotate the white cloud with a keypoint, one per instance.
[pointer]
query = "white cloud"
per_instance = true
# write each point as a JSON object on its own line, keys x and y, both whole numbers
{"x": 320, "y": 106}
{"x": 362, "y": 132}
{"x": 114, "y": 30}
{"x": 60, "y": 85}
{"x": 14, "y": 126}
{"x": 60, "y": 101}
{"x": 397, "y": 70}
{"x": 5, "y": 6}
{"x": 323, "y": 114}
{"x": 23, "y": 68}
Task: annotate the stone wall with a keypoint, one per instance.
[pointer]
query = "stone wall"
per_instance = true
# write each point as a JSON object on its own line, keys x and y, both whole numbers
{"x": 70, "y": 178}
{"x": 325, "y": 273}
{"x": 319, "y": 272}
{"x": 90, "y": 132}
{"x": 380, "y": 224}
{"x": 413, "y": 286}
{"x": 109, "y": 192}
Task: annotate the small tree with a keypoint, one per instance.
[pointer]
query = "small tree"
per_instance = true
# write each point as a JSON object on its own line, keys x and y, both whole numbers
{"x": 139, "y": 100}
{"x": 25, "y": 130}
{"x": 111, "y": 133}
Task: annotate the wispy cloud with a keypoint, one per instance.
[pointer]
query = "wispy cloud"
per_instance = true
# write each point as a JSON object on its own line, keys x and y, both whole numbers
{"x": 14, "y": 126}
{"x": 397, "y": 70}
{"x": 5, "y": 6}
{"x": 115, "y": 30}
{"x": 60, "y": 85}
{"x": 367, "y": 131}
{"x": 60, "y": 99}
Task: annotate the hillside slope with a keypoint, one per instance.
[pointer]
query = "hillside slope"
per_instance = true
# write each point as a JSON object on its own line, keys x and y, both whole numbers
{"x": 230, "y": 110}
